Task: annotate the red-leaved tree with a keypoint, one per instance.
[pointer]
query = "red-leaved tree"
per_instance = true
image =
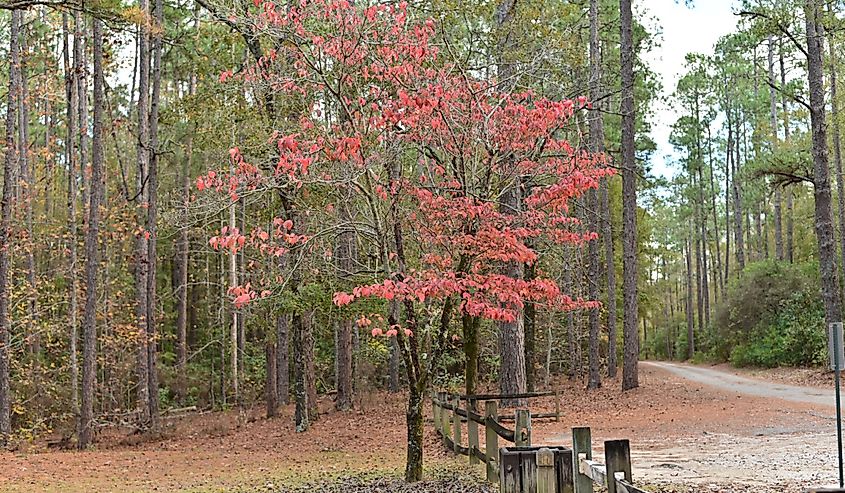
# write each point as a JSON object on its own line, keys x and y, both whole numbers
{"x": 423, "y": 150}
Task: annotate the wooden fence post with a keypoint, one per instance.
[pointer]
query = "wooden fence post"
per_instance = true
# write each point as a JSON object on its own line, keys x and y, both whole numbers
{"x": 617, "y": 456}
{"x": 557, "y": 406}
{"x": 581, "y": 444}
{"x": 522, "y": 431}
{"x": 491, "y": 442}
{"x": 435, "y": 410}
{"x": 444, "y": 421}
{"x": 472, "y": 431}
{"x": 456, "y": 425}
{"x": 546, "y": 481}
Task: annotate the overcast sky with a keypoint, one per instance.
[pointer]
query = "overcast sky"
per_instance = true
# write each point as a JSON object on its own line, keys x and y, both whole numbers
{"x": 684, "y": 30}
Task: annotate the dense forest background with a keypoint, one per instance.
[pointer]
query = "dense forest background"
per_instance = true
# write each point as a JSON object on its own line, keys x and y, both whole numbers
{"x": 148, "y": 264}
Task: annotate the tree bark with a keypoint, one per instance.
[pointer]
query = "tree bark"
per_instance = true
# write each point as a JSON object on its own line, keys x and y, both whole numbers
{"x": 790, "y": 228}
{"x": 152, "y": 221}
{"x": 630, "y": 334}
{"x": 594, "y": 212}
{"x": 773, "y": 121}
{"x": 92, "y": 260}
{"x": 72, "y": 159}
{"x": 345, "y": 256}
{"x": 9, "y": 163}
{"x": 183, "y": 251}
{"x": 271, "y": 386}
{"x": 141, "y": 254}
{"x": 282, "y": 363}
{"x": 689, "y": 308}
{"x": 821, "y": 191}
{"x": 837, "y": 150}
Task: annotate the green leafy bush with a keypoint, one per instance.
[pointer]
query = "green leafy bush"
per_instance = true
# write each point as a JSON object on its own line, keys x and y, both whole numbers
{"x": 772, "y": 316}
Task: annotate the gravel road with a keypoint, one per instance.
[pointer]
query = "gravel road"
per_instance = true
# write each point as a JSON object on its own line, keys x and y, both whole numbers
{"x": 749, "y": 386}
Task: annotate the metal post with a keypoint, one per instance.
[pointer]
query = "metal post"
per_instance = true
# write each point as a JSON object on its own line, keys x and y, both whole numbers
{"x": 836, "y": 329}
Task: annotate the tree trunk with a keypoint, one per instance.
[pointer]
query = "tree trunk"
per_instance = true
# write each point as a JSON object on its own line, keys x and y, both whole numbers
{"x": 414, "y": 423}
{"x": 141, "y": 253}
{"x": 511, "y": 334}
{"x": 837, "y": 150}
{"x": 183, "y": 251}
{"x": 630, "y": 335}
{"x": 92, "y": 261}
{"x": 512, "y": 378}
{"x": 688, "y": 309}
{"x": 71, "y": 150}
{"x": 594, "y": 211}
{"x": 737, "y": 202}
{"x": 152, "y": 218}
{"x": 773, "y": 120}
{"x": 282, "y": 364}
{"x": 788, "y": 254}
{"x": 9, "y": 162}
{"x": 271, "y": 386}
{"x": 717, "y": 277}
{"x": 821, "y": 179}
{"x": 26, "y": 179}
{"x": 530, "y": 318}
{"x": 393, "y": 361}
{"x": 345, "y": 255}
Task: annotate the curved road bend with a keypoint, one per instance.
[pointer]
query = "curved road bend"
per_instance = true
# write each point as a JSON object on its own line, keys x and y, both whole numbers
{"x": 759, "y": 388}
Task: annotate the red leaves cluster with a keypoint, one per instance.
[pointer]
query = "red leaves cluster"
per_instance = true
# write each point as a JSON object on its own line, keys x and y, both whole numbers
{"x": 473, "y": 141}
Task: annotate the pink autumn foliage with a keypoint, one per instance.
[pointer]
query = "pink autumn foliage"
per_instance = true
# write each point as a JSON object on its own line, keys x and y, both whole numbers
{"x": 473, "y": 140}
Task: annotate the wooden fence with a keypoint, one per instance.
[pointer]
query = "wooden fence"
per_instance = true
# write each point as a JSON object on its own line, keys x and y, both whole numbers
{"x": 525, "y": 469}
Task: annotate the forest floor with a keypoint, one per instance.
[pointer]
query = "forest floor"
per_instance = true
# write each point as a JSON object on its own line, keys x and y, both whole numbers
{"x": 685, "y": 435}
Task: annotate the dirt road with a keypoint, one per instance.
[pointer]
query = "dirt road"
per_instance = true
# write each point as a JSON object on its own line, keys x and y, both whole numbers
{"x": 748, "y": 386}
{"x": 735, "y": 433}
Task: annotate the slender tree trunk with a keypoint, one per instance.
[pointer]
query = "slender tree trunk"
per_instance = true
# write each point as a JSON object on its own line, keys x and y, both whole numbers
{"x": 688, "y": 309}
{"x": 141, "y": 199}
{"x": 152, "y": 220}
{"x": 393, "y": 363}
{"x": 183, "y": 251}
{"x": 9, "y": 163}
{"x": 271, "y": 386}
{"x": 717, "y": 276}
{"x": 345, "y": 255}
{"x": 821, "y": 179}
{"x": 233, "y": 314}
{"x": 631, "y": 350}
{"x": 92, "y": 261}
{"x": 282, "y": 363}
{"x": 72, "y": 159}
{"x": 27, "y": 184}
{"x": 837, "y": 150}
{"x": 788, "y": 254}
{"x": 530, "y": 318}
{"x": 738, "y": 213}
{"x": 773, "y": 121}
{"x": 728, "y": 165}
{"x": 594, "y": 212}
{"x": 301, "y": 418}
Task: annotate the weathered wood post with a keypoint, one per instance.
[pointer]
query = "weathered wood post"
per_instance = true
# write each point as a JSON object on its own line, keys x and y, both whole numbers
{"x": 435, "y": 410}
{"x": 546, "y": 481}
{"x": 472, "y": 430}
{"x": 581, "y": 444}
{"x": 456, "y": 425}
{"x": 522, "y": 431}
{"x": 491, "y": 441}
{"x": 617, "y": 456}
{"x": 557, "y": 406}
{"x": 445, "y": 426}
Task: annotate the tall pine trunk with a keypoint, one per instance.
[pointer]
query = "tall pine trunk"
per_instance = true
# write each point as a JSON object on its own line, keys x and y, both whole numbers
{"x": 630, "y": 334}
{"x": 141, "y": 266}
{"x": 72, "y": 159}
{"x": 821, "y": 190}
{"x": 92, "y": 260}
{"x": 596, "y": 146}
{"x": 9, "y": 162}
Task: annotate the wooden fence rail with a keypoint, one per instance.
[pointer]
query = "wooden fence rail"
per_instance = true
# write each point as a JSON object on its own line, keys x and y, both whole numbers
{"x": 542, "y": 469}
